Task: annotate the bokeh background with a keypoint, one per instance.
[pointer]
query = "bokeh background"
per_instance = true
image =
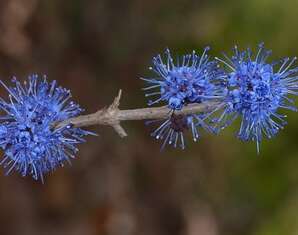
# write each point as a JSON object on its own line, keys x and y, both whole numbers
{"x": 127, "y": 186}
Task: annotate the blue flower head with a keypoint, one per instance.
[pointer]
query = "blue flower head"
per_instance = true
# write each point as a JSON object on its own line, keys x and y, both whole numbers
{"x": 30, "y": 143}
{"x": 192, "y": 79}
{"x": 172, "y": 130}
{"x": 258, "y": 91}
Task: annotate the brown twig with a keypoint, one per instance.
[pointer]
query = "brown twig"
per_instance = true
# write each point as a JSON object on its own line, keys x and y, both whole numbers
{"x": 113, "y": 116}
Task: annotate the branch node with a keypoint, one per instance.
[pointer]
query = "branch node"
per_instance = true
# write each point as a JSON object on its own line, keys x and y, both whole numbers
{"x": 111, "y": 116}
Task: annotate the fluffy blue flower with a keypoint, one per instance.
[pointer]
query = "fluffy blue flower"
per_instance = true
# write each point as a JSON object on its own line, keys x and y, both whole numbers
{"x": 30, "y": 143}
{"x": 193, "y": 79}
{"x": 258, "y": 91}
{"x": 172, "y": 130}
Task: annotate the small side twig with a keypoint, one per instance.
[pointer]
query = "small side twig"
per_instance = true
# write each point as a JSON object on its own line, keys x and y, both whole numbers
{"x": 113, "y": 116}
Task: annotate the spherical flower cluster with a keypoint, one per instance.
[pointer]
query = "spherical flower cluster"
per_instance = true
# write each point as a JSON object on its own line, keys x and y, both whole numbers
{"x": 257, "y": 92}
{"x": 192, "y": 79}
{"x": 31, "y": 145}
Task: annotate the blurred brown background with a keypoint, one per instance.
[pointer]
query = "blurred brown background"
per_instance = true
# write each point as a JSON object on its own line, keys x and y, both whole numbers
{"x": 127, "y": 186}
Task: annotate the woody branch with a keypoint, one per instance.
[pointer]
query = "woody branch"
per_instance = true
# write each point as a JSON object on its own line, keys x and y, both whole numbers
{"x": 113, "y": 116}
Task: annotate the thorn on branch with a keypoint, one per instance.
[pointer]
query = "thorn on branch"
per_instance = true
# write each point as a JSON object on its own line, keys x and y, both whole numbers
{"x": 112, "y": 111}
{"x": 120, "y": 131}
{"x": 116, "y": 102}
